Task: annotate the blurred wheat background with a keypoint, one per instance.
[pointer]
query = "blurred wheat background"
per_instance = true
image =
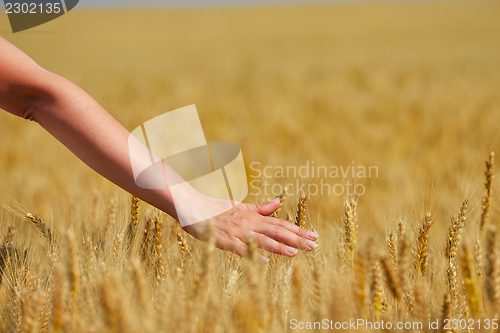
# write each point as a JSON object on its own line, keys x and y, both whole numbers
{"x": 412, "y": 88}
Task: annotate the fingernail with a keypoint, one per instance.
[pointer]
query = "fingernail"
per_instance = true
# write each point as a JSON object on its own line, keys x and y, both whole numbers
{"x": 265, "y": 260}
{"x": 311, "y": 245}
{"x": 291, "y": 251}
{"x": 312, "y": 235}
{"x": 278, "y": 199}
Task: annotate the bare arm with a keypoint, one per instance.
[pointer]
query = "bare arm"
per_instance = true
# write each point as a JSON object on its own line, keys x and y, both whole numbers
{"x": 75, "y": 119}
{"x": 72, "y": 117}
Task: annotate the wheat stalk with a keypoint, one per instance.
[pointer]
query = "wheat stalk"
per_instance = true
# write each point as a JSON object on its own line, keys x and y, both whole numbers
{"x": 451, "y": 278}
{"x": 452, "y": 245}
{"x": 486, "y": 208}
{"x": 392, "y": 278}
{"x": 118, "y": 246}
{"x": 277, "y": 212}
{"x": 110, "y": 218}
{"x": 297, "y": 290}
{"x": 58, "y": 299}
{"x": 360, "y": 289}
{"x": 420, "y": 302}
{"x": 89, "y": 247}
{"x": 478, "y": 256}
{"x": 135, "y": 208}
{"x": 470, "y": 280}
{"x": 112, "y": 305}
{"x": 183, "y": 246}
{"x": 45, "y": 232}
{"x": 147, "y": 241}
{"x": 422, "y": 244}
{"x": 377, "y": 290}
{"x": 393, "y": 251}
{"x": 7, "y": 252}
{"x": 31, "y": 308}
{"x": 493, "y": 270}
{"x": 206, "y": 269}
{"x": 351, "y": 228}
{"x": 141, "y": 287}
{"x": 159, "y": 260}
{"x": 74, "y": 271}
{"x": 447, "y": 315}
{"x": 403, "y": 256}
{"x": 455, "y": 232}
{"x": 300, "y": 219}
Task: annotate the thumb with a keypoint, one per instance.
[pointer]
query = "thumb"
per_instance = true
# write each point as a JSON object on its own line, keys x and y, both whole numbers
{"x": 267, "y": 208}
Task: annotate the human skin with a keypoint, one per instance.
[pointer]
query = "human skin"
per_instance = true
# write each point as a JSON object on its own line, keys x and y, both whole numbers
{"x": 82, "y": 125}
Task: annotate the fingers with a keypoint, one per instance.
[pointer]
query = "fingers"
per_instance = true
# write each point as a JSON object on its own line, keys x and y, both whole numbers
{"x": 251, "y": 221}
{"x": 264, "y": 242}
{"x": 305, "y": 233}
{"x": 266, "y": 208}
{"x": 271, "y": 245}
{"x": 278, "y": 233}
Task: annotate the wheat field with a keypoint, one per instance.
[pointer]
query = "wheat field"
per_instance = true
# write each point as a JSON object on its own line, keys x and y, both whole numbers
{"x": 412, "y": 88}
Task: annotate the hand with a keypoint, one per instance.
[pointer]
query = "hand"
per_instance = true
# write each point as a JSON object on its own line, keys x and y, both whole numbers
{"x": 234, "y": 228}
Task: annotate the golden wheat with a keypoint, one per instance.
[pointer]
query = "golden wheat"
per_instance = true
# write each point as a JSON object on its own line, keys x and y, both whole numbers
{"x": 300, "y": 219}
{"x": 486, "y": 208}
{"x": 333, "y": 84}
{"x": 421, "y": 255}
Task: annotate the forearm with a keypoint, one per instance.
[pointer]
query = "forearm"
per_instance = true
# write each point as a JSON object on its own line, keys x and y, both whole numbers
{"x": 92, "y": 134}
{"x": 75, "y": 119}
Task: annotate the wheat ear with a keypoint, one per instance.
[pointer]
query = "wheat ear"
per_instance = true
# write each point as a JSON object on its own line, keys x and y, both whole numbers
{"x": 392, "y": 278}
{"x": 452, "y": 245}
{"x": 493, "y": 270}
{"x": 147, "y": 241}
{"x": 183, "y": 245}
{"x": 141, "y": 286}
{"x": 377, "y": 290}
{"x": 393, "y": 250}
{"x": 486, "y": 208}
{"x": 159, "y": 260}
{"x": 300, "y": 219}
{"x": 447, "y": 315}
{"x": 135, "y": 208}
{"x": 360, "y": 287}
{"x": 350, "y": 228}
{"x": 470, "y": 280}
{"x": 455, "y": 232}
{"x": 422, "y": 244}
{"x": 277, "y": 212}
